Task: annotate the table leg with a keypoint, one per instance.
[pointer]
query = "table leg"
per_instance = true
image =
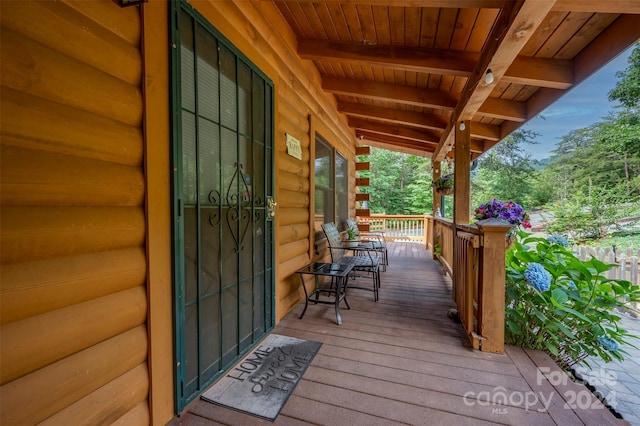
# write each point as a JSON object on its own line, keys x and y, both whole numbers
{"x": 306, "y": 297}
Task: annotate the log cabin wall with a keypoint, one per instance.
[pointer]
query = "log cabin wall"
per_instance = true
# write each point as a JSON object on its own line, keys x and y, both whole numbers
{"x": 78, "y": 267}
{"x": 74, "y": 343}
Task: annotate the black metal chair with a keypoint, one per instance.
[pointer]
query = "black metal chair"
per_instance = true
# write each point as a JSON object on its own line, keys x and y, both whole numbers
{"x": 365, "y": 265}
{"x": 375, "y": 238}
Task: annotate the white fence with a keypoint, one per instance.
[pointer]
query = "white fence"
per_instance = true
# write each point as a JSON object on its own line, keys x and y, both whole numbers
{"x": 628, "y": 266}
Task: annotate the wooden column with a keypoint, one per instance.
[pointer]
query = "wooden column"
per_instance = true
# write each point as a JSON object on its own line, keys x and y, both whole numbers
{"x": 462, "y": 189}
{"x": 437, "y": 172}
{"x": 462, "y": 174}
{"x": 491, "y": 290}
{"x": 157, "y": 146}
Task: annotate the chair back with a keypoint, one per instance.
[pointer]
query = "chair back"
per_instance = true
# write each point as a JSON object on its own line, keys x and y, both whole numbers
{"x": 335, "y": 242}
{"x": 351, "y": 224}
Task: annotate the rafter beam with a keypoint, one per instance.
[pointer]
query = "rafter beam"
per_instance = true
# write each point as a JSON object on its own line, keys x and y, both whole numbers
{"x": 392, "y": 129}
{"x": 543, "y": 72}
{"x": 390, "y": 92}
{"x": 515, "y": 25}
{"x": 488, "y": 4}
{"x": 393, "y": 140}
{"x": 398, "y": 116}
{"x": 426, "y": 98}
{"x": 598, "y": 6}
{"x": 414, "y": 119}
{"x": 415, "y": 59}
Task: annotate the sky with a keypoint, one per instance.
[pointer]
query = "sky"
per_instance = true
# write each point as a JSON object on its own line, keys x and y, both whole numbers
{"x": 584, "y": 105}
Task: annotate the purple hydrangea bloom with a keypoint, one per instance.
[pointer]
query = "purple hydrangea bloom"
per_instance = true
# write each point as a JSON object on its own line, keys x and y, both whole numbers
{"x": 608, "y": 343}
{"x": 538, "y": 277}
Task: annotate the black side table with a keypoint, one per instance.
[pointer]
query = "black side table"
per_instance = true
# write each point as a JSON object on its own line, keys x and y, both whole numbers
{"x": 335, "y": 288}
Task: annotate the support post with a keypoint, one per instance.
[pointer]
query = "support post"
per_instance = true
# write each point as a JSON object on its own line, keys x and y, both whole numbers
{"x": 491, "y": 289}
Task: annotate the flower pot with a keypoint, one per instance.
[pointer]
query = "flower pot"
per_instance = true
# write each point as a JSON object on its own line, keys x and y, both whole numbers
{"x": 445, "y": 191}
{"x": 350, "y": 243}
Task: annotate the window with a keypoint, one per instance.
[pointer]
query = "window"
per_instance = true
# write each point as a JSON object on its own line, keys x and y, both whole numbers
{"x": 331, "y": 186}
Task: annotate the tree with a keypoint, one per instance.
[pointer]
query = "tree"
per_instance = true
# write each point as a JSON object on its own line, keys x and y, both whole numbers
{"x": 506, "y": 172}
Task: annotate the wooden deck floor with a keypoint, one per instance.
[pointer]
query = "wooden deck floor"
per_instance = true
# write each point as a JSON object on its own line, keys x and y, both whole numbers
{"x": 401, "y": 360}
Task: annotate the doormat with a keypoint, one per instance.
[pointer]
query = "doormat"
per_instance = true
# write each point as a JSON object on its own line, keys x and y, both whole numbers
{"x": 262, "y": 381}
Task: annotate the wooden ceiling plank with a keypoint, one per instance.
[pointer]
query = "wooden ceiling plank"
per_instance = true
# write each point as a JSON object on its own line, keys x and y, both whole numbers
{"x": 565, "y": 31}
{"x": 338, "y": 20}
{"x": 520, "y": 20}
{"x": 551, "y": 21}
{"x": 412, "y": 17}
{"x": 353, "y": 22}
{"x": 464, "y": 26}
{"x": 429, "y": 26}
{"x": 481, "y": 29}
{"x": 365, "y": 16}
{"x": 596, "y": 25}
{"x": 317, "y": 26}
{"x": 322, "y": 11}
{"x": 446, "y": 24}
{"x": 397, "y": 25}
{"x": 381, "y": 24}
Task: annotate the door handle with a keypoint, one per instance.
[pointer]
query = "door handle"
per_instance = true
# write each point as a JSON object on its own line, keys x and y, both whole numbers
{"x": 271, "y": 206}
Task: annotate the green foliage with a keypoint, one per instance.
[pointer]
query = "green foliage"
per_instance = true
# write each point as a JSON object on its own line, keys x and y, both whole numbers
{"x": 627, "y": 89}
{"x": 506, "y": 172}
{"x": 575, "y": 317}
{"x": 352, "y": 234}
{"x": 399, "y": 183}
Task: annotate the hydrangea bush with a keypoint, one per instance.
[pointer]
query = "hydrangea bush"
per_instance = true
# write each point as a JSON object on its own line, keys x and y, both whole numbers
{"x": 562, "y": 305}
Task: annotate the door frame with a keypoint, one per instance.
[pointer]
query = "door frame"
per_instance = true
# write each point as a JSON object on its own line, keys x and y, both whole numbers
{"x": 177, "y": 208}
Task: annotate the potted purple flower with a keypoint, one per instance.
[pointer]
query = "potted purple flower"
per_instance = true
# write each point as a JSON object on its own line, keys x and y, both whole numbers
{"x": 510, "y": 212}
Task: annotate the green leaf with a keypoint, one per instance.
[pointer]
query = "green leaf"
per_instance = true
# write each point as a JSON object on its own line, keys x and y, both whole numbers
{"x": 559, "y": 295}
{"x": 553, "y": 349}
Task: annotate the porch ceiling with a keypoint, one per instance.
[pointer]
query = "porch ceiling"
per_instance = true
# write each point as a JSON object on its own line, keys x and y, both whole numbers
{"x": 403, "y": 71}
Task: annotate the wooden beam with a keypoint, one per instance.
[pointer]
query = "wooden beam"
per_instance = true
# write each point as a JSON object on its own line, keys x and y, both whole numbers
{"x": 515, "y": 25}
{"x": 598, "y": 6}
{"x": 390, "y": 93}
{"x": 417, "y": 119}
{"x": 392, "y": 129}
{"x": 363, "y": 150}
{"x": 462, "y": 176}
{"x": 406, "y": 150}
{"x": 503, "y": 109}
{"x": 396, "y": 141}
{"x": 413, "y": 59}
{"x": 456, "y": 4}
{"x": 542, "y": 72}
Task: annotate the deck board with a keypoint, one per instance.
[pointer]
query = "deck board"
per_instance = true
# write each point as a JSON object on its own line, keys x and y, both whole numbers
{"x": 401, "y": 360}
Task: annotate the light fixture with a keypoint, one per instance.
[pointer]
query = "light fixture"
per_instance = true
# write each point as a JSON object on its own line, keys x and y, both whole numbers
{"x": 462, "y": 126}
{"x": 124, "y": 3}
{"x": 488, "y": 77}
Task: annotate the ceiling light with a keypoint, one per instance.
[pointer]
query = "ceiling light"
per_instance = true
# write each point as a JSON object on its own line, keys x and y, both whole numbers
{"x": 488, "y": 77}
{"x": 462, "y": 126}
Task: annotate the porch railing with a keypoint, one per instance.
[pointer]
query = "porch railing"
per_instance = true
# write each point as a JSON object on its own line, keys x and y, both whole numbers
{"x": 400, "y": 227}
{"x": 474, "y": 257}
